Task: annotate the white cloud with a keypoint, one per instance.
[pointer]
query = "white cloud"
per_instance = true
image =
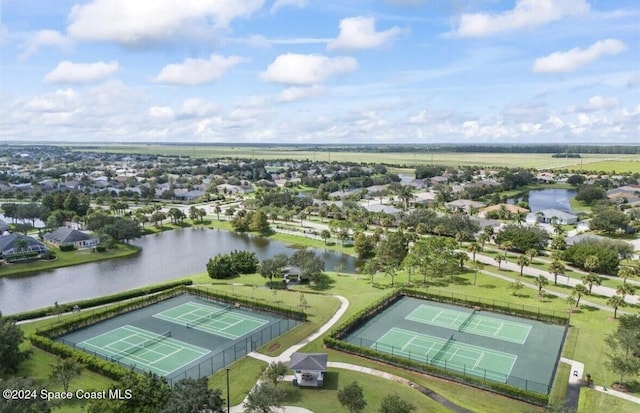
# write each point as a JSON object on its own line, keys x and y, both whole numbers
{"x": 59, "y": 101}
{"x": 634, "y": 80}
{"x": 69, "y": 72}
{"x": 44, "y": 38}
{"x": 526, "y": 14}
{"x": 139, "y": 22}
{"x": 197, "y": 108}
{"x": 574, "y": 59}
{"x": 360, "y": 33}
{"x": 278, "y": 4}
{"x": 161, "y": 113}
{"x": 197, "y": 71}
{"x": 595, "y": 103}
{"x": 300, "y": 69}
{"x": 293, "y": 94}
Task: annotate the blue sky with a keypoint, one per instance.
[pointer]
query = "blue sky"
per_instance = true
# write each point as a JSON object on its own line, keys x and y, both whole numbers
{"x": 305, "y": 71}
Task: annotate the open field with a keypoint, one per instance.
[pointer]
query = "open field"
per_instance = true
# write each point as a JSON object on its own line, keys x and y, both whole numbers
{"x": 605, "y": 162}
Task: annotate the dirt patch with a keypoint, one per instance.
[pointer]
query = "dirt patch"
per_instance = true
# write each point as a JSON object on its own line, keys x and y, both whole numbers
{"x": 273, "y": 347}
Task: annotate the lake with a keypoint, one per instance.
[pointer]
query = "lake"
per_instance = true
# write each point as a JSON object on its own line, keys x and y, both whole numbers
{"x": 540, "y": 199}
{"x": 164, "y": 256}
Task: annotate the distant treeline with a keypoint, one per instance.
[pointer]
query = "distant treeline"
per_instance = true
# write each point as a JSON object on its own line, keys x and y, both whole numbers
{"x": 557, "y": 150}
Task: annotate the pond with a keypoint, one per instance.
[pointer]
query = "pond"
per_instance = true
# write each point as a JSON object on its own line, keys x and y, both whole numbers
{"x": 540, "y": 199}
{"x": 163, "y": 257}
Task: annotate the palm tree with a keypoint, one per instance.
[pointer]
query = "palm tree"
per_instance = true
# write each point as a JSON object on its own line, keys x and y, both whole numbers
{"x": 217, "y": 210}
{"x": 616, "y": 302}
{"x": 531, "y": 253}
{"x": 591, "y": 263}
{"x": 506, "y": 246}
{"x": 579, "y": 290}
{"x": 499, "y": 259}
{"x": 522, "y": 262}
{"x": 482, "y": 238}
{"x": 627, "y": 272}
{"x": 519, "y": 217}
{"x": 325, "y": 235}
{"x": 625, "y": 289}
{"x": 474, "y": 248}
{"x": 591, "y": 279}
{"x": 541, "y": 282}
{"x": 556, "y": 268}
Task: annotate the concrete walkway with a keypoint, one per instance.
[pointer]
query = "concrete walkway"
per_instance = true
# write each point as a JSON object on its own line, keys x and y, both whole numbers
{"x": 571, "y": 282}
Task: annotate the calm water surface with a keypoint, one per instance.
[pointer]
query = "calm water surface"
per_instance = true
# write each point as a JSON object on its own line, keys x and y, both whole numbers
{"x": 163, "y": 257}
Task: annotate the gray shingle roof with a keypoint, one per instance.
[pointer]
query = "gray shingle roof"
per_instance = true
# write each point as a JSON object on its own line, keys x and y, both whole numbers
{"x": 65, "y": 235}
{"x": 308, "y": 361}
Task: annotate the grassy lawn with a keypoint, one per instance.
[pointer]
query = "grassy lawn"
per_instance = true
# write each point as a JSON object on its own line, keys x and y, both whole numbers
{"x": 37, "y": 367}
{"x": 579, "y": 206}
{"x": 560, "y": 385}
{"x": 67, "y": 259}
{"x": 243, "y": 375}
{"x": 609, "y": 166}
{"x": 374, "y": 388}
{"x": 595, "y": 401}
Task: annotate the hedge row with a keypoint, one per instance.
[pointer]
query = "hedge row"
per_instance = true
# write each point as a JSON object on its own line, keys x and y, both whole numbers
{"x": 93, "y": 317}
{"x": 93, "y": 302}
{"x": 362, "y": 316}
{"x": 501, "y": 388}
{"x": 254, "y": 305}
{"x": 111, "y": 370}
{"x": 496, "y": 308}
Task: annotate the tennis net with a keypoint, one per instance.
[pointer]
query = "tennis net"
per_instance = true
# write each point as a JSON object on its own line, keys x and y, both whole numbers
{"x": 443, "y": 350}
{"x": 208, "y": 317}
{"x": 466, "y": 322}
{"x": 140, "y": 346}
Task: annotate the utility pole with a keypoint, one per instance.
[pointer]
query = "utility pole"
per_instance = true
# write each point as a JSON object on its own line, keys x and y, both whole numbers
{"x": 228, "y": 399}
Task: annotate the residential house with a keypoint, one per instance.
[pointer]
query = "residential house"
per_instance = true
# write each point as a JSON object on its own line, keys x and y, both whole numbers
{"x": 3, "y": 227}
{"x": 512, "y": 209}
{"x": 10, "y": 244}
{"x": 464, "y": 205}
{"x": 552, "y": 216}
{"x": 309, "y": 369}
{"x": 69, "y": 236}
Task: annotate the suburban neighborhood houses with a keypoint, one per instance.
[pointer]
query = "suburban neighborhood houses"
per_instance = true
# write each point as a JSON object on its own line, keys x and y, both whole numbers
{"x": 319, "y": 240}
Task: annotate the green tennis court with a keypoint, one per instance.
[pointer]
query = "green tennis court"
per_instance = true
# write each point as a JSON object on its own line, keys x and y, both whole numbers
{"x": 221, "y": 321}
{"x": 144, "y": 349}
{"x": 473, "y": 323}
{"x": 479, "y": 361}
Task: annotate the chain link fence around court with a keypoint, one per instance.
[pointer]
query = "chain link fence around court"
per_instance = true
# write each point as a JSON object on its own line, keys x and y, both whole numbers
{"x": 448, "y": 366}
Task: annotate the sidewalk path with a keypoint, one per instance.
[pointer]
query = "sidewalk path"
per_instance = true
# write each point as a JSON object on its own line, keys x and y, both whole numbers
{"x": 597, "y": 289}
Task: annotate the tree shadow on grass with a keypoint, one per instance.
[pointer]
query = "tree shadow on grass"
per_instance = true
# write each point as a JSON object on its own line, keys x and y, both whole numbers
{"x": 487, "y": 286}
{"x": 460, "y": 281}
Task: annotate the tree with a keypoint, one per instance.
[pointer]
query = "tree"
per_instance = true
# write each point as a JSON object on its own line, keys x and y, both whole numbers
{"x": 531, "y": 253}
{"x": 23, "y": 405}
{"x": 590, "y": 193}
{"x": 275, "y": 372}
{"x": 150, "y": 392}
{"x": 311, "y": 265}
{"x": 624, "y": 289}
{"x": 474, "y": 248}
{"x": 194, "y": 396}
{"x": 522, "y": 262}
{"x": 627, "y": 272}
{"x": 370, "y": 267}
{"x": 393, "y": 249}
{"x": 541, "y": 281}
{"x": 260, "y": 223}
{"x": 352, "y": 398}
{"x": 609, "y": 220}
{"x": 591, "y": 279}
{"x": 499, "y": 259}
{"x": 325, "y": 235}
{"x": 11, "y": 337}
{"x": 393, "y": 403}
{"x": 482, "y": 239}
{"x": 556, "y": 267}
{"x": 522, "y": 238}
{"x": 616, "y": 301}
{"x": 364, "y": 245}
{"x": 579, "y": 290}
{"x": 272, "y": 267}
{"x": 64, "y": 370}
{"x": 217, "y": 210}
{"x": 624, "y": 345}
{"x": 264, "y": 398}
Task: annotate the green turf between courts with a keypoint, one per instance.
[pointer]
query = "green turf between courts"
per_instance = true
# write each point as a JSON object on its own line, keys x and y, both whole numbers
{"x": 483, "y": 362}
{"x": 221, "y": 321}
{"x": 144, "y": 349}
{"x": 471, "y": 322}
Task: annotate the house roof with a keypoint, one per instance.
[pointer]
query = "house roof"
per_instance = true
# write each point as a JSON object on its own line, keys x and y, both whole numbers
{"x": 465, "y": 203}
{"x": 511, "y": 208}
{"x": 65, "y": 235}
{"x": 8, "y": 243}
{"x": 308, "y": 361}
{"x": 3, "y": 226}
{"x": 551, "y": 212}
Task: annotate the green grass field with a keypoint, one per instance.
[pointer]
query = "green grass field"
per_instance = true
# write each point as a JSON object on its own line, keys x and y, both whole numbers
{"x": 598, "y": 162}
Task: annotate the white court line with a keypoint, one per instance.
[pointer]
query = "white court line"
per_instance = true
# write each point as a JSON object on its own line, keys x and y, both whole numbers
{"x": 499, "y": 329}
{"x": 408, "y": 342}
{"x": 454, "y": 353}
{"x": 475, "y": 366}
{"x": 437, "y": 315}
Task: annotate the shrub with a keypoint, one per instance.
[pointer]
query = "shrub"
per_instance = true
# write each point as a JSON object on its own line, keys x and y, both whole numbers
{"x": 67, "y": 247}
